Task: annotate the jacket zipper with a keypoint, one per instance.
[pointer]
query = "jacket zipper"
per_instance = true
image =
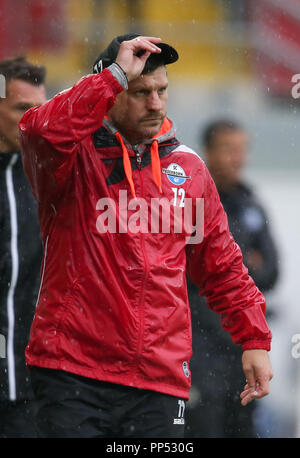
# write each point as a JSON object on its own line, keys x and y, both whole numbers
{"x": 43, "y": 271}
{"x": 146, "y": 272}
{"x": 138, "y": 159}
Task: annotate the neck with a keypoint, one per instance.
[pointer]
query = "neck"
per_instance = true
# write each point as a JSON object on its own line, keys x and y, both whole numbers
{"x": 131, "y": 139}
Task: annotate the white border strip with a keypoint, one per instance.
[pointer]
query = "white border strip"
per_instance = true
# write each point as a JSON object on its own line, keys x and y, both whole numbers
{"x": 185, "y": 149}
{"x": 14, "y": 279}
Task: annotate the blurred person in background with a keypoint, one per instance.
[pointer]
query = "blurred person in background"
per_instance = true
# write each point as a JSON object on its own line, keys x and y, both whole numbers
{"x": 214, "y": 409}
{"x": 20, "y": 247}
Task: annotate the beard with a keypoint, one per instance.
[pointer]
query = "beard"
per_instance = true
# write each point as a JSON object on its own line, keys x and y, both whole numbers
{"x": 138, "y": 130}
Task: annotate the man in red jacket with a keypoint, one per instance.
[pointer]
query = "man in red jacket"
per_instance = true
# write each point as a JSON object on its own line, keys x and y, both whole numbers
{"x": 125, "y": 211}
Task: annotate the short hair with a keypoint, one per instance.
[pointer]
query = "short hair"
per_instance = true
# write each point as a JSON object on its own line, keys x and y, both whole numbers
{"x": 216, "y": 127}
{"x": 19, "y": 68}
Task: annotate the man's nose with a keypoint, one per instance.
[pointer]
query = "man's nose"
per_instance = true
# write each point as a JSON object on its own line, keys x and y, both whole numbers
{"x": 154, "y": 102}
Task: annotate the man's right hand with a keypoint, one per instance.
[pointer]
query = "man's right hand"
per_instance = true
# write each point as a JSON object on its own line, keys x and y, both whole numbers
{"x": 258, "y": 371}
{"x": 128, "y": 59}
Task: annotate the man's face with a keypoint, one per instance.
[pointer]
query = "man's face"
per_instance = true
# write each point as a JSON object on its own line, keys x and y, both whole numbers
{"x": 227, "y": 157}
{"x": 20, "y": 96}
{"x": 139, "y": 112}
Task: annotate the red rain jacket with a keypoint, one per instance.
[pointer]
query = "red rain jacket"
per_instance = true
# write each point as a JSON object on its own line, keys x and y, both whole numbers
{"x": 113, "y": 305}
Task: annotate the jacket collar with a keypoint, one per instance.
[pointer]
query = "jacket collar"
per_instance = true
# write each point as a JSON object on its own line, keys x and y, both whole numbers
{"x": 167, "y": 132}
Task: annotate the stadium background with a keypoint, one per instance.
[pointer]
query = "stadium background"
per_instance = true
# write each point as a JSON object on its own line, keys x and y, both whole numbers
{"x": 237, "y": 59}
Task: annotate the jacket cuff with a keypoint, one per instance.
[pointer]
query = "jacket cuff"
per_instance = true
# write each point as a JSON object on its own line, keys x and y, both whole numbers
{"x": 119, "y": 74}
{"x": 257, "y": 345}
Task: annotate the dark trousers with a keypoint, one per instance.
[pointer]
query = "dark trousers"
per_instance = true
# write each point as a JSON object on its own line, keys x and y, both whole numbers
{"x": 17, "y": 419}
{"x": 69, "y": 405}
{"x": 215, "y": 409}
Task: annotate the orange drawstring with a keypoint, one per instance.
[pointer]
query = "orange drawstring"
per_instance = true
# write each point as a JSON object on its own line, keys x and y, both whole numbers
{"x": 155, "y": 162}
{"x": 127, "y": 164}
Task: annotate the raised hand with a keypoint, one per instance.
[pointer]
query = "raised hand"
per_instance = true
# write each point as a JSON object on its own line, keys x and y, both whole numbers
{"x": 133, "y": 54}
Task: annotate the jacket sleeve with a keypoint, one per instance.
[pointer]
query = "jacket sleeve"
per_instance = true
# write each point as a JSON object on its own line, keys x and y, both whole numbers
{"x": 216, "y": 266}
{"x": 50, "y": 133}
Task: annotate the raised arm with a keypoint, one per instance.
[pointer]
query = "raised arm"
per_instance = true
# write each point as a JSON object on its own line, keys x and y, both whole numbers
{"x": 75, "y": 113}
{"x": 51, "y": 133}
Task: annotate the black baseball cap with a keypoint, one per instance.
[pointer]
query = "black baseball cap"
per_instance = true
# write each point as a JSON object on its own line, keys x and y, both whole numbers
{"x": 168, "y": 54}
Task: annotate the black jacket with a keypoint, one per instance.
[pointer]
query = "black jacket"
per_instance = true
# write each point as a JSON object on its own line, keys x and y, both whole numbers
{"x": 249, "y": 226}
{"x": 20, "y": 261}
